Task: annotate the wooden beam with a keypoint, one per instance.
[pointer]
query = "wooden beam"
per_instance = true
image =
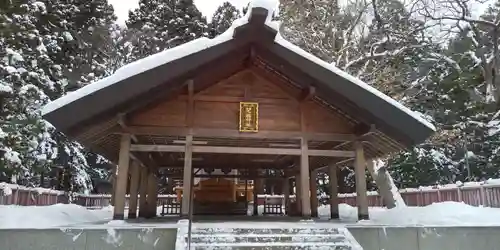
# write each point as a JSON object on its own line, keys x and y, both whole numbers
{"x": 240, "y": 176}
{"x": 230, "y": 133}
{"x": 246, "y": 150}
{"x": 240, "y": 150}
{"x": 232, "y": 99}
{"x": 359, "y": 138}
{"x": 331, "y": 153}
{"x": 237, "y": 167}
{"x": 121, "y": 118}
{"x": 156, "y": 148}
{"x": 307, "y": 94}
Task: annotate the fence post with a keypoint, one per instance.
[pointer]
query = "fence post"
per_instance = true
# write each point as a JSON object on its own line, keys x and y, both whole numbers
{"x": 439, "y": 194}
{"x": 28, "y": 198}
{"x": 484, "y": 201}
{"x": 459, "y": 194}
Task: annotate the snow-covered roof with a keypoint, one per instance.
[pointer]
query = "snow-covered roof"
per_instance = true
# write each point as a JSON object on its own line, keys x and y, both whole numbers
{"x": 143, "y": 78}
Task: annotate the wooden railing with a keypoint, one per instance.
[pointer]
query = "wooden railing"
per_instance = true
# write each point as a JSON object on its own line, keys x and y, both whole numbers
{"x": 487, "y": 195}
{"x": 170, "y": 207}
{"x": 273, "y": 206}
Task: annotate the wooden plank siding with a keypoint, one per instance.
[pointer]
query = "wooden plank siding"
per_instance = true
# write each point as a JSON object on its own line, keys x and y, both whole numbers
{"x": 218, "y": 107}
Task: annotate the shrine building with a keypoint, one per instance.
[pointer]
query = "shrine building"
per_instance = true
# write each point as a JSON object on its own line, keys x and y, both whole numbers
{"x": 224, "y": 115}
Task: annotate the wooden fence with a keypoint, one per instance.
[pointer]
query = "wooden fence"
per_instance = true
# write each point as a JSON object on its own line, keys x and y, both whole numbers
{"x": 487, "y": 195}
{"x": 11, "y": 194}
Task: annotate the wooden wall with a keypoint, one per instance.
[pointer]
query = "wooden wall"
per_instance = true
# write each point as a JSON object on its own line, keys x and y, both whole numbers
{"x": 218, "y": 107}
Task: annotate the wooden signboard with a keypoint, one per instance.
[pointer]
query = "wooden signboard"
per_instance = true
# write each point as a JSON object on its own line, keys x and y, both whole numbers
{"x": 249, "y": 117}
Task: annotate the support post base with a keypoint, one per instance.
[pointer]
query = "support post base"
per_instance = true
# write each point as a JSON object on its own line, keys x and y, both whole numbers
{"x": 335, "y": 216}
{"x": 118, "y": 217}
{"x": 363, "y": 217}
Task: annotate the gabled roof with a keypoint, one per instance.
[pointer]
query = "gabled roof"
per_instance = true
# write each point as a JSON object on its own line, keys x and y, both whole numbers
{"x": 252, "y": 34}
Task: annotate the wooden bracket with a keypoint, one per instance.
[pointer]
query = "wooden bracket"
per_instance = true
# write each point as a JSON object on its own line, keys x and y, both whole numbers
{"x": 307, "y": 94}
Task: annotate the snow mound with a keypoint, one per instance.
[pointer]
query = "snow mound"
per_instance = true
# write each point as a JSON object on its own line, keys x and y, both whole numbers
{"x": 437, "y": 214}
{"x": 59, "y": 215}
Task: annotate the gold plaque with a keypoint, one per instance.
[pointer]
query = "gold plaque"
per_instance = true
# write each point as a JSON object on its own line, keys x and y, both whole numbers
{"x": 249, "y": 117}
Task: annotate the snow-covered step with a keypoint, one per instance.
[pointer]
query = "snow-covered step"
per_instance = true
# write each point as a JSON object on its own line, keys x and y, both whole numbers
{"x": 269, "y": 238}
{"x": 271, "y": 246}
{"x": 295, "y": 237}
{"x": 295, "y": 230}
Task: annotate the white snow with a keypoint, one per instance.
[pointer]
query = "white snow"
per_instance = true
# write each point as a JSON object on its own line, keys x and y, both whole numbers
{"x": 283, "y": 42}
{"x": 136, "y": 68}
{"x": 58, "y": 215}
{"x": 6, "y": 189}
{"x": 5, "y": 88}
{"x": 437, "y": 214}
{"x": 200, "y": 44}
{"x": 67, "y": 36}
{"x": 11, "y": 187}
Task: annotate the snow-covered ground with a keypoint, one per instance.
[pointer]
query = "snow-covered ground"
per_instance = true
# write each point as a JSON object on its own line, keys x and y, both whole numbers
{"x": 12, "y": 216}
{"x": 438, "y": 214}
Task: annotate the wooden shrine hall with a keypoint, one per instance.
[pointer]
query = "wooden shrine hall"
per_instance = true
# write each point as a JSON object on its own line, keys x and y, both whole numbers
{"x": 246, "y": 105}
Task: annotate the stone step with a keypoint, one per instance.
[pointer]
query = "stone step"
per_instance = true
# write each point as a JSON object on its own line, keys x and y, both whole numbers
{"x": 271, "y": 246}
{"x": 246, "y": 231}
{"x": 267, "y": 238}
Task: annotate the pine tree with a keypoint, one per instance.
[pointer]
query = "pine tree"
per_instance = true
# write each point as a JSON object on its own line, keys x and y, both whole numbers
{"x": 222, "y": 19}
{"x": 164, "y": 24}
{"x": 49, "y": 47}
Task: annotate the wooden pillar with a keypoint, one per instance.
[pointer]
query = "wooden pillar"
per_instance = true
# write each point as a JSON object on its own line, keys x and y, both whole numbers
{"x": 256, "y": 190}
{"x": 152, "y": 195}
{"x": 113, "y": 185}
{"x": 246, "y": 196}
{"x": 135, "y": 175}
{"x": 314, "y": 194}
{"x": 334, "y": 190}
{"x": 360, "y": 174}
{"x": 304, "y": 180}
{"x": 187, "y": 177}
{"x": 122, "y": 178}
{"x": 286, "y": 195}
{"x": 298, "y": 187}
{"x": 143, "y": 191}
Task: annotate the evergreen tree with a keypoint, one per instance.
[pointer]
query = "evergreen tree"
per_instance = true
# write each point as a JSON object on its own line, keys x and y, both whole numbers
{"x": 49, "y": 47}
{"x": 222, "y": 19}
{"x": 164, "y": 24}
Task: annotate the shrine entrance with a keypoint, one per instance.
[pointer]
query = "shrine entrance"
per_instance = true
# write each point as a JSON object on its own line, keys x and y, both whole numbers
{"x": 246, "y": 117}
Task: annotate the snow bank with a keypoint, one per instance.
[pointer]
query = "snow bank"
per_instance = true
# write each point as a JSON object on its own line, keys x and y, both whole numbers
{"x": 50, "y": 216}
{"x": 437, "y": 214}
{"x": 8, "y": 188}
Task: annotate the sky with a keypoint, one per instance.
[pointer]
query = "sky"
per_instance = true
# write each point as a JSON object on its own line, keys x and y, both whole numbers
{"x": 207, "y": 7}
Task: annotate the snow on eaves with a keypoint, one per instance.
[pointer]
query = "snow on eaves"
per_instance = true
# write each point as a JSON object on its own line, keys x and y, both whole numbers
{"x": 283, "y": 42}
{"x": 200, "y": 44}
{"x": 159, "y": 59}
{"x": 139, "y": 67}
